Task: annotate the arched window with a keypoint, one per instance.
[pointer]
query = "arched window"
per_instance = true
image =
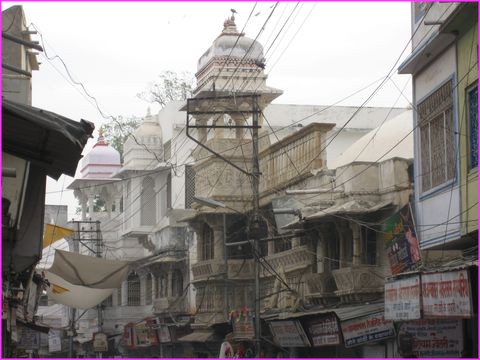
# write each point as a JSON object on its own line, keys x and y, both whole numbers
{"x": 133, "y": 290}
{"x": 177, "y": 283}
{"x": 148, "y": 289}
{"x": 148, "y": 211}
{"x": 207, "y": 248}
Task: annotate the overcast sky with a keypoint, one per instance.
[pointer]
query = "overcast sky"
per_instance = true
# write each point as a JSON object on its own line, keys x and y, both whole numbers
{"x": 326, "y": 51}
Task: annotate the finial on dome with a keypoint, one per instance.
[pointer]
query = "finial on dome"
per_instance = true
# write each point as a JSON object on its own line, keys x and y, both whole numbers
{"x": 229, "y": 26}
{"x": 101, "y": 131}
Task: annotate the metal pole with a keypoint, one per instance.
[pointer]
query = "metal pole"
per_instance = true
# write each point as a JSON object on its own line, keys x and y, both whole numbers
{"x": 255, "y": 223}
{"x": 226, "y": 266}
{"x": 99, "y": 306}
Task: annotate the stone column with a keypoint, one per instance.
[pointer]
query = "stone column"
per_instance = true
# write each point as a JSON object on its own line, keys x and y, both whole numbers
{"x": 271, "y": 247}
{"x": 84, "y": 210}
{"x": 239, "y": 121}
{"x": 90, "y": 205}
{"x": 169, "y": 283}
{"x": 143, "y": 290}
{"x": 201, "y": 133}
{"x": 219, "y": 132}
{"x": 124, "y": 294}
{"x": 322, "y": 254}
{"x": 219, "y": 250}
{"x": 154, "y": 287}
{"x": 117, "y": 205}
{"x": 295, "y": 242}
{"x": 357, "y": 246}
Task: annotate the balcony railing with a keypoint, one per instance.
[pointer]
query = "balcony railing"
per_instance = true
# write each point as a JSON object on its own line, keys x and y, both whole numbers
{"x": 237, "y": 269}
{"x": 170, "y": 305}
{"x": 290, "y": 260}
{"x": 358, "y": 280}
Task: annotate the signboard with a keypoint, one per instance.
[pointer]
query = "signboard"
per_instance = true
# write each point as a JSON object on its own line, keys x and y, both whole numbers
{"x": 54, "y": 341}
{"x": 289, "y": 333}
{"x": 446, "y": 295}
{"x": 128, "y": 335}
{"x": 163, "y": 333}
{"x": 152, "y": 326}
{"x": 141, "y": 334}
{"x": 325, "y": 330}
{"x": 366, "y": 329}
{"x": 401, "y": 243}
{"x": 435, "y": 338}
{"x": 402, "y": 299}
{"x": 243, "y": 329}
{"x": 29, "y": 339}
{"x": 100, "y": 342}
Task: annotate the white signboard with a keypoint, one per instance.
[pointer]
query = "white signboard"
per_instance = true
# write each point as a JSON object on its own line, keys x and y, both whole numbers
{"x": 100, "y": 342}
{"x": 366, "y": 329}
{"x": 324, "y": 330}
{"x": 435, "y": 338}
{"x": 402, "y": 299}
{"x": 289, "y": 334}
{"x": 54, "y": 341}
{"x": 446, "y": 295}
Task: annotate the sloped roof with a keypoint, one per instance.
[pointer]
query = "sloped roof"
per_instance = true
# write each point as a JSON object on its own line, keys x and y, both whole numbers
{"x": 52, "y": 141}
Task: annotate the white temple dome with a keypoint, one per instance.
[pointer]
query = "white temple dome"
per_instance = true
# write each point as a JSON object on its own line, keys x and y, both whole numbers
{"x": 231, "y": 43}
{"x": 371, "y": 146}
{"x": 102, "y": 161}
{"x": 144, "y": 148}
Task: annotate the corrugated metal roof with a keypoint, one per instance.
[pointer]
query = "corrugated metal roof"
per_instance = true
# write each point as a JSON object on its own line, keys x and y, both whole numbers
{"x": 343, "y": 313}
{"x": 48, "y": 139}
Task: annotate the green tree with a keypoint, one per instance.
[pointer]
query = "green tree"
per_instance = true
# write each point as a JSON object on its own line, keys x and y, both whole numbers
{"x": 170, "y": 86}
{"x": 117, "y": 131}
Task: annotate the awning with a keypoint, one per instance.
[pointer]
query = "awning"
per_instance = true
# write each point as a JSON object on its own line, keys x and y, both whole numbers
{"x": 352, "y": 207}
{"x": 53, "y": 233}
{"x": 343, "y": 313}
{"x": 200, "y": 336}
{"x": 79, "y": 297}
{"x": 52, "y": 141}
{"x": 97, "y": 273}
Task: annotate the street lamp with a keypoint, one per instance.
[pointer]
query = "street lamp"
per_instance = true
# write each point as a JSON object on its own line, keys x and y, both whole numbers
{"x": 217, "y": 204}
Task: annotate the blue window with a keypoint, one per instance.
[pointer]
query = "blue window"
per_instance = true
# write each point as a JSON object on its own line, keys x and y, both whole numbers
{"x": 472, "y": 103}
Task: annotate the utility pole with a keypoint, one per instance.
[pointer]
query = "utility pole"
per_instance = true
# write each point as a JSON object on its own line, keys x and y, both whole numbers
{"x": 256, "y": 223}
{"x": 99, "y": 255}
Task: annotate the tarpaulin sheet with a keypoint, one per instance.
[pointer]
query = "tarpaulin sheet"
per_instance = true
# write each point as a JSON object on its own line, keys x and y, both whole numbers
{"x": 93, "y": 272}
{"x": 79, "y": 297}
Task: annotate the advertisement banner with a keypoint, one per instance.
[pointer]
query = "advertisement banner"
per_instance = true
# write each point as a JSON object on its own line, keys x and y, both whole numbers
{"x": 54, "y": 341}
{"x": 152, "y": 326}
{"x": 324, "y": 330}
{"x": 435, "y": 338}
{"x": 366, "y": 329}
{"x": 141, "y": 334}
{"x": 128, "y": 335}
{"x": 446, "y": 294}
{"x": 29, "y": 339}
{"x": 289, "y": 334}
{"x": 402, "y": 299}
{"x": 100, "y": 342}
{"x": 243, "y": 329}
{"x": 401, "y": 243}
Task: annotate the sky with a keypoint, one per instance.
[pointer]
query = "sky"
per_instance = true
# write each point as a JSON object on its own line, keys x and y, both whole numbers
{"x": 324, "y": 52}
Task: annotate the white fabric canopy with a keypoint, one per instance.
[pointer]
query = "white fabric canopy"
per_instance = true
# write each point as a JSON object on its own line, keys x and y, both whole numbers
{"x": 79, "y": 297}
{"x": 89, "y": 271}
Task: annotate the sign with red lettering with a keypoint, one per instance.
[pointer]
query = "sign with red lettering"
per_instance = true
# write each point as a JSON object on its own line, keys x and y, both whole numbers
{"x": 402, "y": 299}
{"x": 366, "y": 329}
{"x": 289, "y": 333}
{"x": 324, "y": 330}
{"x": 435, "y": 338}
{"x": 446, "y": 295}
{"x": 128, "y": 335}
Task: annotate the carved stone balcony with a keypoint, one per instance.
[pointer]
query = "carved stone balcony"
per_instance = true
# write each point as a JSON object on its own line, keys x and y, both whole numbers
{"x": 359, "y": 282}
{"x": 295, "y": 259}
{"x": 320, "y": 288}
{"x": 170, "y": 305}
{"x": 237, "y": 269}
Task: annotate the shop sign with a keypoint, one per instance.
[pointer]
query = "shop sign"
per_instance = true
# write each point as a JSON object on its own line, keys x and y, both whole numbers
{"x": 141, "y": 334}
{"x": 324, "y": 331}
{"x": 152, "y": 325}
{"x": 54, "y": 341}
{"x": 29, "y": 339}
{"x": 401, "y": 243}
{"x": 289, "y": 333}
{"x": 100, "y": 342}
{"x": 242, "y": 324}
{"x": 446, "y": 294}
{"x": 164, "y": 334}
{"x": 366, "y": 329}
{"x": 435, "y": 338}
{"x": 128, "y": 335}
{"x": 402, "y": 299}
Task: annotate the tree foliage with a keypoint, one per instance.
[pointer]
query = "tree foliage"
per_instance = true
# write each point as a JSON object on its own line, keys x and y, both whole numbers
{"x": 117, "y": 131}
{"x": 170, "y": 86}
